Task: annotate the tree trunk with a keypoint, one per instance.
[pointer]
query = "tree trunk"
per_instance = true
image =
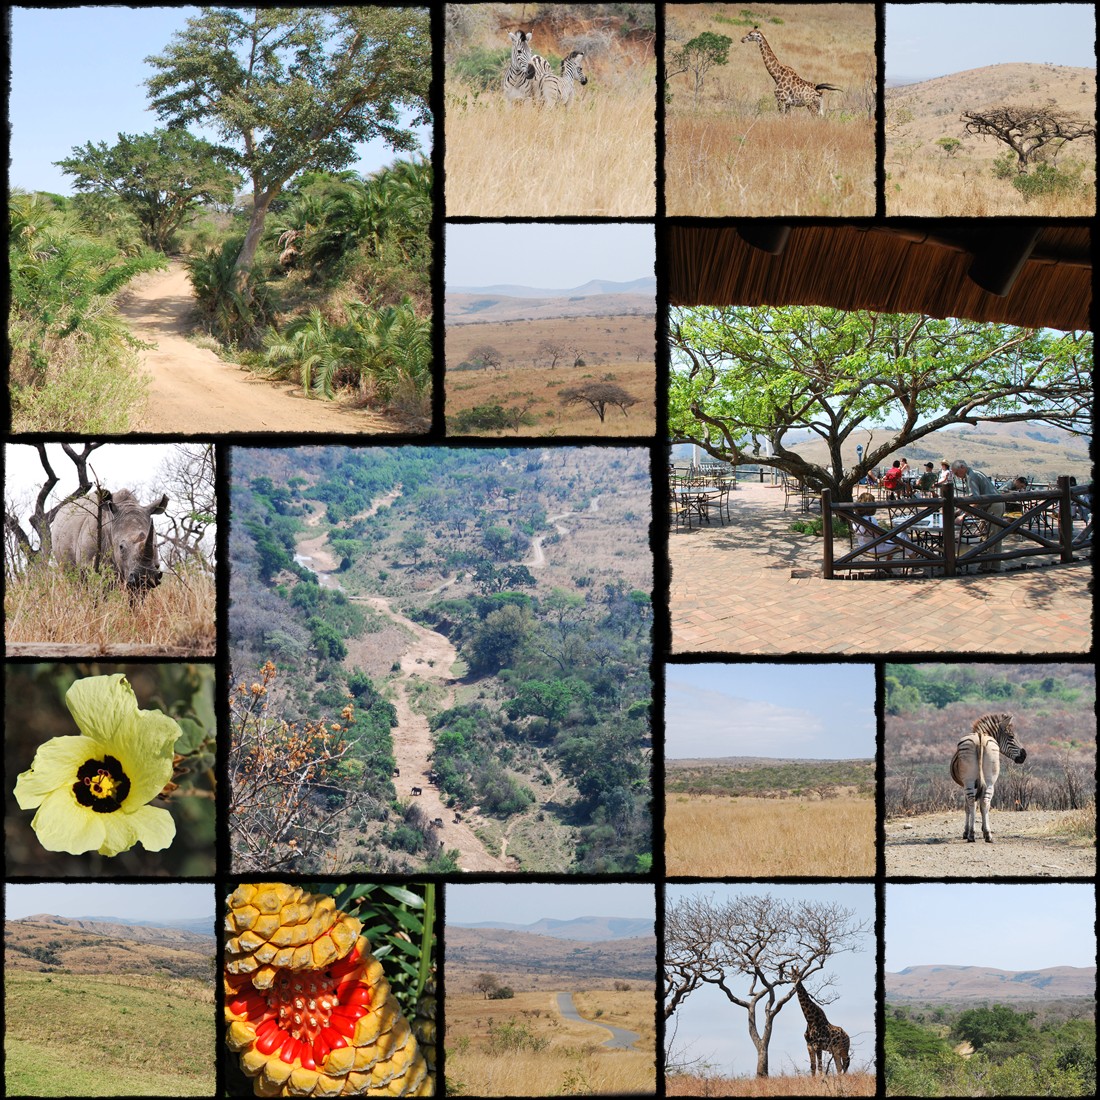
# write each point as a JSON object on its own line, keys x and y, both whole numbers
{"x": 762, "y": 1061}
{"x": 260, "y": 206}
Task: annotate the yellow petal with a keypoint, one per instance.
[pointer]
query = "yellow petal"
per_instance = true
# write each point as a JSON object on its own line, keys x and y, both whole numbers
{"x": 239, "y": 1035}
{"x": 323, "y": 952}
{"x": 242, "y": 896}
{"x": 264, "y": 977}
{"x": 303, "y": 957}
{"x": 339, "y": 1061}
{"x": 302, "y": 1081}
{"x": 248, "y": 941}
{"x": 328, "y": 1086}
{"x": 289, "y": 935}
{"x": 270, "y": 897}
{"x": 252, "y": 1061}
{"x": 276, "y": 1071}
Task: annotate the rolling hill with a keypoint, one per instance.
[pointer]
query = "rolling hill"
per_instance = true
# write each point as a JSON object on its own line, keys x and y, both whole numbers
{"x": 956, "y": 984}
{"x": 587, "y": 929}
{"x": 489, "y": 308}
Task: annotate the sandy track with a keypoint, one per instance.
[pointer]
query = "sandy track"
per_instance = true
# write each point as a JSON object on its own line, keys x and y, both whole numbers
{"x": 194, "y": 392}
{"x": 430, "y": 656}
{"x": 931, "y": 846}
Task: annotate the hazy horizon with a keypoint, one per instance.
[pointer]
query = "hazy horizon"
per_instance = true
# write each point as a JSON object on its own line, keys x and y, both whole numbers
{"x": 526, "y": 903}
{"x": 86, "y": 900}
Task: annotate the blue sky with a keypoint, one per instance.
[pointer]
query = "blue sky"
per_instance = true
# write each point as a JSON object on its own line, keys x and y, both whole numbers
{"x": 174, "y": 901}
{"x": 1025, "y": 927}
{"x": 77, "y": 75}
{"x": 525, "y": 903}
{"x": 711, "y": 1027}
{"x": 808, "y": 711}
{"x": 927, "y": 40}
{"x": 555, "y": 257}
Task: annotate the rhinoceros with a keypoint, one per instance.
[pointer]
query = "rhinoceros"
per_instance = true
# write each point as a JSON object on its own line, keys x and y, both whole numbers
{"x": 127, "y": 541}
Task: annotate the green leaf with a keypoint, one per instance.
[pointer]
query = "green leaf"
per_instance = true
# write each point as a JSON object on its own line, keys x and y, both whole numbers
{"x": 191, "y": 736}
{"x": 406, "y": 897}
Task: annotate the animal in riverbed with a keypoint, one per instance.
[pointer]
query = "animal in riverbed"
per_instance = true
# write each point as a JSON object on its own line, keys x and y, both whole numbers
{"x": 790, "y": 89}
{"x": 977, "y": 763}
{"x": 417, "y": 790}
{"x": 111, "y": 531}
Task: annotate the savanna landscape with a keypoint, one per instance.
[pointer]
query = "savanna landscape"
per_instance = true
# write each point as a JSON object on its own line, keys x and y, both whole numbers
{"x": 1043, "y": 813}
{"x": 595, "y": 156}
{"x": 125, "y": 1008}
{"x": 450, "y": 638}
{"x": 756, "y": 817}
{"x": 194, "y": 287}
{"x": 568, "y": 364}
{"x": 55, "y": 607}
{"x": 727, "y": 143}
{"x": 536, "y": 1014}
{"x": 940, "y": 162}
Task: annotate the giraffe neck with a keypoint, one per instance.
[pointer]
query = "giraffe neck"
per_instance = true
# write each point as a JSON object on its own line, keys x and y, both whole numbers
{"x": 771, "y": 63}
{"x": 813, "y": 1012}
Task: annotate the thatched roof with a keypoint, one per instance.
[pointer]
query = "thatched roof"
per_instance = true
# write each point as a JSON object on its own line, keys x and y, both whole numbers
{"x": 925, "y": 267}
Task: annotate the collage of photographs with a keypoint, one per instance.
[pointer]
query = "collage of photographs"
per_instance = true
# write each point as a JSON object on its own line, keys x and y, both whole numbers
{"x": 548, "y": 551}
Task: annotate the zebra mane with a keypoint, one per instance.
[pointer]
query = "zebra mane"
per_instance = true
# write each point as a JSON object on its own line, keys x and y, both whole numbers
{"x": 992, "y": 724}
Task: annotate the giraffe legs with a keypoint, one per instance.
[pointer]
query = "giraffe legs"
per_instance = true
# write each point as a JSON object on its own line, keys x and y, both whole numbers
{"x": 815, "y": 1059}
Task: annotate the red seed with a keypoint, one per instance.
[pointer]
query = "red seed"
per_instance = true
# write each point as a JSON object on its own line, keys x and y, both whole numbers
{"x": 291, "y": 1049}
{"x": 320, "y": 1050}
{"x": 334, "y": 1039}
{"x": 305, "y": 1056}
{"x": 271, "y": 1041}
{"x": 264, "y": 1026}
{"x": 360, "y": 996}
{"x": 247, "y": 1005}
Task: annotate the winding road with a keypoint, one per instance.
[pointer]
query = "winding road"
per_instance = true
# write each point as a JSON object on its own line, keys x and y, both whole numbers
{"x": 538, "y": 556}
{"x": 621, "y": 1039}
{"x": 192, "y": 391}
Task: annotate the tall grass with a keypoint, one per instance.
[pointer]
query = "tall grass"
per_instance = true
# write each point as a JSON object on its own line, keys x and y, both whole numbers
{"x": 716, "y": 836}
{"x": 597, "y": 157}
{"x": 48, "y": 605}
{"x": 848, "y": 1084}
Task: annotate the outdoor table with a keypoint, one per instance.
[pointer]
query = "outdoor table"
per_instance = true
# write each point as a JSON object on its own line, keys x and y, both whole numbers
{"x": 696, "y": 499}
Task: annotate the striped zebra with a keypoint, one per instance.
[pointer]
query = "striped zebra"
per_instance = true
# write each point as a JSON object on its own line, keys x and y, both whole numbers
{"x": 519, "y": 78}
{"x": 559, "y": 89}
{"x": 977, "y": 763}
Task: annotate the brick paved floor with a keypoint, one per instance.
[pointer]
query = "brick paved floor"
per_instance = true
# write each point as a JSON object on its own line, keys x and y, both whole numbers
{"x": 754, "y": 586}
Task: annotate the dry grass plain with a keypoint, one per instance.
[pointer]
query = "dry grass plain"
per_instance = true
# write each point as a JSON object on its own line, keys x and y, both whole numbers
{"x": 726, "y": 151}
{"x": 597, "y": 157}
{"x": 523, "y": 1047}
{"x": 51, "y": 612}
{"x": 849, "y": 1084}
{"x": 922, "y": 180}
{"x": 751, "y": 837}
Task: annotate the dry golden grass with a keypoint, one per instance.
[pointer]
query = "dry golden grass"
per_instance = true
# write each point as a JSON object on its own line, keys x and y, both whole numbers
{"x": 467, "y": 389}
{"x": 716, "y": 836}
{"x": 731, "y": 152}
{"x": 848, "y": 1084}
{"x": 572, "y": 1060}
{"x": 52, "y": 607}
{"x": 596, "y": 158}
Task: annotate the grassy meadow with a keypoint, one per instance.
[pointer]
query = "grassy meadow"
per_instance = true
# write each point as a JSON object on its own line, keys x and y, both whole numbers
{"x": 84, "y": 1035}
{"x": 728, "y": 145}
{"x": 596, "y": 157}
{"x": 523, "y": 1047}
{"x": 50, "y": 611}
{"x": 745, "y": 836}
{"x": 850, "y": 1084}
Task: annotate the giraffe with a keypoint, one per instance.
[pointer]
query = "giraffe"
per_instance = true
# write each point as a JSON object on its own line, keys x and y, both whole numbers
{"x": 790, "y": 89}
{"x": 822, "y": 1037}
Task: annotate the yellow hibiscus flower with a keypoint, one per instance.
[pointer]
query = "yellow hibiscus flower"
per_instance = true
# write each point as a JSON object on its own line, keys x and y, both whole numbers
{"x": 92, "y": 792}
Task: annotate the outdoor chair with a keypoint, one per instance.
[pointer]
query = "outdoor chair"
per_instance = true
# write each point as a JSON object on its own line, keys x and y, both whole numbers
{"x": 860, "y": 525}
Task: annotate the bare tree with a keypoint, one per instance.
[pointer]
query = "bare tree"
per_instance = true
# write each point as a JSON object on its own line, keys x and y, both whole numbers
{"x": 761, "y": 940}
{"x": 187, "y": 475}
{"x": 1027, "y": 130}
{"x": 598, "y": 396}
{"x": 487, "y": 356}
{"x": 552, "y": 350}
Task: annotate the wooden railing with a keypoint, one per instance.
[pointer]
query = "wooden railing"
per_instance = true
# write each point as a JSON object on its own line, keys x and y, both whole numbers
{"x": 970, "y": 533}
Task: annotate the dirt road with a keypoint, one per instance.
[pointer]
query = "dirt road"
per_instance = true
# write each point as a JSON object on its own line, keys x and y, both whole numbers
{"x": 931, "y": 846}
{"x": 538, "y": 556}
{"x": 193, "y": 391}
{"x": 621, "y": 1038}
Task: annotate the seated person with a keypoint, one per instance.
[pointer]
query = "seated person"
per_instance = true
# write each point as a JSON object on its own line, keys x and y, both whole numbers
{"x": 862, "y": 533}
{"x": 927, "y": 481}
{"x": 891, "y": 480}
{"x": 946, "y": 476}
{"x": 1017, "y": 485}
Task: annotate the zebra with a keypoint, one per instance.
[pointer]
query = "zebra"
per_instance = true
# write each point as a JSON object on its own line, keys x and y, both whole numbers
{"x": 559, "y": 89}
{"x": 977, "y": 763}
{"x": 518, "y": 80}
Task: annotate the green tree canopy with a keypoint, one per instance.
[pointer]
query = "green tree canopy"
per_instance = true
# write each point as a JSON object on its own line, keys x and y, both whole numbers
{"x": 748, "y": 383}
{"x": 296, "y": 88}
{"x": 161, "y": 177}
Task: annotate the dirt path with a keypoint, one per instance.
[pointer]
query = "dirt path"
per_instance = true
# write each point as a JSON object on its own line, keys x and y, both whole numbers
{"x": 621, "y": 1038}
{"x": 931, "y": 846}
{"x": 430, "y": 656}
{"x": 538, "y": 556}
{"x": 193, "y": 391}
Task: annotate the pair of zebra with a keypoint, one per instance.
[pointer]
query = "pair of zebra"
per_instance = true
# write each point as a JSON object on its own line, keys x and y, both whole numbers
{"x": 528, "y": 74}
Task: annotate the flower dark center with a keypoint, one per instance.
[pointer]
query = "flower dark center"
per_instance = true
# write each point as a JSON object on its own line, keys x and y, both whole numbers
{"x": 101, "y": 785}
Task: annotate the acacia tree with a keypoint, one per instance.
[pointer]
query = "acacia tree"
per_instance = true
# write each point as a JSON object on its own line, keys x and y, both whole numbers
{"x": 699, "y": 56}
{"x": 295, "y": 88}
{"x": 1027, "y": 130}
{"x": 597, "y": 396}
{"x": 761, "y": 940}
{"x": 161, "y": 177}
{"x": 751, "y": 380}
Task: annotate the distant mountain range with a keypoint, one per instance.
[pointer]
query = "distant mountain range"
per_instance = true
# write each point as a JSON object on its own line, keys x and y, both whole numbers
{"x": 955, "y": 984}
{"x": 124, "y": 928}
{"x": 645, "y": 285}
{"x": 585, "y": 929}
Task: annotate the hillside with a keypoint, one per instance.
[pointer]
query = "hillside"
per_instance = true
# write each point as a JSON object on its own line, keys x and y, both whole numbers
{"x": 529, "y": 962}
{"x": 185, "y": 931}
{"x": 954, "y": 984}
{"x": 754, "y": 776}
{"x": 588, "y": 929}
{"x": 484, "y": 307}
{"x": 646, "y": 286}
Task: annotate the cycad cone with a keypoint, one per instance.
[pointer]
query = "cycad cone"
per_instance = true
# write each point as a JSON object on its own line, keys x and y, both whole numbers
{"x": 306, "y": 1004}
